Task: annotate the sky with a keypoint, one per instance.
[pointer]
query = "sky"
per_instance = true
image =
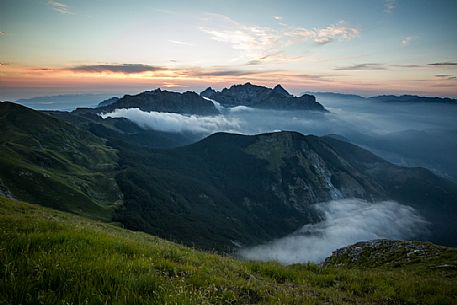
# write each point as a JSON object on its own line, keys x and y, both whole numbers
{"x": 99, "y": 46}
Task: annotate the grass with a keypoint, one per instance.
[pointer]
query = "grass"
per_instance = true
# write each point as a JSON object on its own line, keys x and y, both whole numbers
{"x": 47, "y": 161}
{"x": 51, "y": 257}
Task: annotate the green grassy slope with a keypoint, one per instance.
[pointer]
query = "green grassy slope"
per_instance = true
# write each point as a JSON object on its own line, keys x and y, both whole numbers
{"x": 51, "y": 257}
{"x": 45, "y": 160}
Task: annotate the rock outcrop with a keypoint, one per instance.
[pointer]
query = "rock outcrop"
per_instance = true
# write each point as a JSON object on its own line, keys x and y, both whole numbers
{"x": 392, "y": 253}
{"x": 262, "y": 97}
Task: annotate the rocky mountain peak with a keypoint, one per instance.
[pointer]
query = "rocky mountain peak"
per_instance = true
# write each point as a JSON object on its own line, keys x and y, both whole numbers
{"x": 280, "y": 90}
{"x": 208, "y": 92}
{"x": 262, "y": 97}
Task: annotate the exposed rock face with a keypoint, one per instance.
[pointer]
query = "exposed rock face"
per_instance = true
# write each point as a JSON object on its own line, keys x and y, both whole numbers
{"x": 165, "y": 101}
{"x": 4, "y": 191}
{"x": 262, "y": 97}
{"x": 302, "y": 173}
{"x": 278, "y": 89}
{"x": 208, "y": 92}
{"x": 394, "y": 253}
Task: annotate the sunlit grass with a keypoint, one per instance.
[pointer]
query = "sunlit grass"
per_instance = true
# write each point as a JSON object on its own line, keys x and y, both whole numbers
{"x": 50, "y": 257}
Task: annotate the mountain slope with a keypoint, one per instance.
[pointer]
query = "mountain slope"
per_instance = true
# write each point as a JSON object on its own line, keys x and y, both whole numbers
{"x": 45, "y": 160}
{"x": 221, "y": 192}
{"x": 53, "y": 257}
{"x": 435, "y": 197}
{"x": 262, "y": 97}
{"x": 233, "y": 189}
{"x": 122, "y": 129}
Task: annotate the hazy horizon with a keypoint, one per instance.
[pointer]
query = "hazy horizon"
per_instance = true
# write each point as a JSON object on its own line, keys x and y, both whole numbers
{"x": 367, "y": 48}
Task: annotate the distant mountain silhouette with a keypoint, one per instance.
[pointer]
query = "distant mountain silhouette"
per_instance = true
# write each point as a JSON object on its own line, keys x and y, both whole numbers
{"x": 388, "y": 98}
{"x": 164, "y": 101}
{"x": 412, "y": 99}
{"x": 262, "y": 97}
{"x": 65, "y": 102}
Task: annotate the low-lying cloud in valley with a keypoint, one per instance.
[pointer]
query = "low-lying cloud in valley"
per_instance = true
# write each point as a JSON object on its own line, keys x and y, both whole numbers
{"x": 408, "y": 134}
{"x": 175, "y": 122}
{"x": 345, "y": 222}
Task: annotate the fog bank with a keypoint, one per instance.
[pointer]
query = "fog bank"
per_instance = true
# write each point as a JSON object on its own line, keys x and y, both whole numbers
{"x": 345, "y": 222}
{"x": 410, "y": 134}
{"x": 175, "y": 122}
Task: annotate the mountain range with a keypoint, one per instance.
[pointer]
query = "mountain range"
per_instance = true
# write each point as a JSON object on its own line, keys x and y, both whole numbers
{"x": 191, "y": 103}
{"x": 63, "y": 102}
{"x": 162, "y": 101}
{"x": 262, "y": 97}
{"x": 388, "y": 98}
{"x": 220, "y": 192}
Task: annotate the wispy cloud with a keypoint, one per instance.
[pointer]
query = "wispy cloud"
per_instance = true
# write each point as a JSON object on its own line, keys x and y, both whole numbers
{"x": 444, "y": 64}
{"x": 276, "y": 57}
{"x": 256, "y": 41}
{"x": 2, "y": 33}
{"x": 180, "y": 42}
{"x": 390, "y": 5}
{"x": 325, "y": 35}
{"x": 364, "y": 66}
{"x": 162, "y": 71}
{"x": 60, "y": 7}
{"x": 407, "y": 40}
{"x": 278, "y": 18}
{"x": 229, "y": 72}
{"x": 117, "y": 68}
{"x": 446, "y": 76}
{"x": 408, "y": 66}
{"x": 252, "y": 40}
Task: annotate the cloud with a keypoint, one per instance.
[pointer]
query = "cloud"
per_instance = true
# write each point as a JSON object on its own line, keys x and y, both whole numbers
{"x": 407, "y": 40}
{"x": 180, "y": 42}
{"x": 444, "y": 64}
{"x": 241, "y": 109}
{"x": 60, "y": 7}
{"x": 229, "y": 72}
{"x": 117, "y": 68}
{"x": 175, "y": 122}
{"x": 276, "y": 57}
{"x": 2, "y": 33}
{"x": 408, "y": 66}
{"x": 390, "y": 5}
{"x": 325, "y": 35}
{"x": 252, "y": 39}
{"x": 344, "y": 222}
{"x": 446, "y": 76}
{"x": 277, "y": 17}
{"x": 257, "y": 41}
{"x": 364, "y": 66}
{"x": 176, "y": 72}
